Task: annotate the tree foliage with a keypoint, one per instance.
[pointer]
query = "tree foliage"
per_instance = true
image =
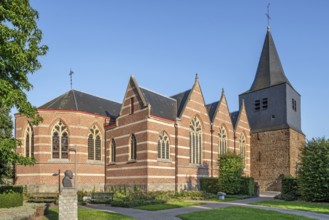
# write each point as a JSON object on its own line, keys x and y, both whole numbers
{"x": 230, "y": 173}
{"x": 313, "y": 174}
{"x": 20, "y": 48}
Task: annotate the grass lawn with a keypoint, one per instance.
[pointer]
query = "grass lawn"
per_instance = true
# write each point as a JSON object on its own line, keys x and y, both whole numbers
{"x": 304, "y": 206}
{"x": 88, "y": 214}
{"x": 239, "y": 213}
{"x": 168, "y": 205}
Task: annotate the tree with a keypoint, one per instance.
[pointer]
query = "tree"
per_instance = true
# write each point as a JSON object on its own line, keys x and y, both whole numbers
{"x": 313, "y": 174}
{"x": 20, "y": 48}
{"x": 230, "y": 172}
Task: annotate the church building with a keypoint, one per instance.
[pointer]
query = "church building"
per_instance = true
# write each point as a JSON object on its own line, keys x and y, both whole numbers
{"x": 157, "y": 142}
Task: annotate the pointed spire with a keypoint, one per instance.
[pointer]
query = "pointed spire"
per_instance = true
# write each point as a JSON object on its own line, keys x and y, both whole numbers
{"x": 196, "y": 77}
{"x": 269, "y": 71}
{"x": 223, "y": 92}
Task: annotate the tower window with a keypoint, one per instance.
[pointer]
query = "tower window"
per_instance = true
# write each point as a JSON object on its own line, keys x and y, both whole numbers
{"x": 264, "y": 103}
{"x": 294, "y": 104}
{"x": 257, "y": 105}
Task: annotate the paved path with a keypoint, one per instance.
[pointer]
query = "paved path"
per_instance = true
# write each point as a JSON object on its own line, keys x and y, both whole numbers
{"x": 170, "y": 214}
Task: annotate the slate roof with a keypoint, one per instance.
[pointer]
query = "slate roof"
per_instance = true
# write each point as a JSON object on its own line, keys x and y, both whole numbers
{"x": 76, "y": 100}
{"x": 269, "y": 71}
{"x": 181, "y": 99}
{"x": 212, "y": 109}
{"x": 161, "y": 106}
{"x": 234, "y": 117}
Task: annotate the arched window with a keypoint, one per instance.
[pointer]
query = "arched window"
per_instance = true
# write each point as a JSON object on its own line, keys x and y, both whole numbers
{"x": 222, "y": 141}
{"x": 242, "y": 142}
{"x": 163, "y": 146}
{"x": 195, "y": 141}
{"x": 133, "y": 147}
{"x": 29, "y": 141}
{"x": 113, "y": 151}
{"x": 60, "y": 141}
{"x": 94, "y": 144}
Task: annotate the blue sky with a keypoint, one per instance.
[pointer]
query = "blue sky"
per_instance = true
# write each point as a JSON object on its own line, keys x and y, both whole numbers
{"x": 164, "y": 43}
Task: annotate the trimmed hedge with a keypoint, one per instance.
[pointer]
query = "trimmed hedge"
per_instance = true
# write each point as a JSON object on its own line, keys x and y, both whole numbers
{"x": 247, "y": 186}
{"x": 230, "y": 172}
{"x": 209, "y": 184}
{"x": 289, "y": 188}
{"x": 12, "y": 195}
{"x": 313, "y": 175}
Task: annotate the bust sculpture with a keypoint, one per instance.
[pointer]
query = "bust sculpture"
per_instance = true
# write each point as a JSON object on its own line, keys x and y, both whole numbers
{"x": 67, "y": 178}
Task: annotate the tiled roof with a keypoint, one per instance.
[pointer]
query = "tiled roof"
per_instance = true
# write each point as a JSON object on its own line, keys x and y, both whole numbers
{"x": 181, "y": 99}
{"x": 76, "y": 100}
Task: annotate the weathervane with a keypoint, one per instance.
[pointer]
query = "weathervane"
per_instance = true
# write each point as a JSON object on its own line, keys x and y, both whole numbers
{"x": 268, "y": 16}
{"x": 71, "y": 73}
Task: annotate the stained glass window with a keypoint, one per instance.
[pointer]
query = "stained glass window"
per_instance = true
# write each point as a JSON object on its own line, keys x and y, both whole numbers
{"x": 195, "y": 141}
{"x": 29, "y": 142}
{"x": 242, "y": 142}
{"x": 60, "y": 141}
{"x": 163, "y": 146}
{"x": 133, "y": 147}
{"x": 113, "y": 151}
{"x": 94, "y": 144}
{"x": 222, "y": 142}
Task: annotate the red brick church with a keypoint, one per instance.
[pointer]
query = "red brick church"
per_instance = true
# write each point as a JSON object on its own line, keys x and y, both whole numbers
{"x": 159, "y": 142}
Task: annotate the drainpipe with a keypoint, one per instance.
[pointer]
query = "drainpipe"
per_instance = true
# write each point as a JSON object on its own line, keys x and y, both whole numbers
{"x": 212, "y": 150}
{"x": 176, "y": 157}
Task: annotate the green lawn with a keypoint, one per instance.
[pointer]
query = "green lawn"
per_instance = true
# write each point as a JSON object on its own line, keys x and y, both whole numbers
{"x": 239, "y": 213}
{"x": 87, "y": 214}
{"x": 304, "y": 206}
{"x": 168, "y": 205}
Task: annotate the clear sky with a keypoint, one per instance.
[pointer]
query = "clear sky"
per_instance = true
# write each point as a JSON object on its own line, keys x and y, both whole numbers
{"x": 164, "y": 43}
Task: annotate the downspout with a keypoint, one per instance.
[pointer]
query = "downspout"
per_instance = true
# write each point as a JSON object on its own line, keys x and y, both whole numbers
{"x": 105, "y": 155}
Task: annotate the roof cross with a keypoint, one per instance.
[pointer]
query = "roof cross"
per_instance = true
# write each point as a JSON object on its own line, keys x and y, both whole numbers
{"x": 71, "y": 73}
{"x": 268, "y": 16}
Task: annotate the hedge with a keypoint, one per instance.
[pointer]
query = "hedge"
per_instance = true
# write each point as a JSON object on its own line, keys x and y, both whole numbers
{"x": 209, "y": 184}
{"x": 289, "y": 188}
{"x": 12, "y": 195}
{"x": 247, "y": 186}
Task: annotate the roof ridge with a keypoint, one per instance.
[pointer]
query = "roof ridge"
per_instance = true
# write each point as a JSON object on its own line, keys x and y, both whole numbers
{"x": 181, "y": 92}
{"x": 157, "y": 93}
{"x": 97, "y": 96}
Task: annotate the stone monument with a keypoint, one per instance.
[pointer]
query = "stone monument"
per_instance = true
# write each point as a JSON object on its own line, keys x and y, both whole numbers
{"x": 68, "y": 200}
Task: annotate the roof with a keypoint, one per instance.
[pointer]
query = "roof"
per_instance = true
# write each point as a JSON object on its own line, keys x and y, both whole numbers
{"x": 269, "y": 71}
{"x": 181, "y": 99}
{"x": 211, "y": 108}
{"x": 161, "y": 106}
{"x": 79, "y": 101}
{"x": 234, "y": 117}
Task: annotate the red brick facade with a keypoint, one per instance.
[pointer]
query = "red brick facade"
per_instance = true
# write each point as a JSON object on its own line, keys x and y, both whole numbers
{"x": 175, "y": 168}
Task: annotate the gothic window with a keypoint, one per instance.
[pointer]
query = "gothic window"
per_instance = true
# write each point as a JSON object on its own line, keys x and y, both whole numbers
{"x": 242, "y": 142}
{"x": 29, "y": 142}
{"x": 94, "y": 144}
{"x": 195, "y": 141}
{"x": 60, "y": 141}
{"x": 163, "y": 146}
{"x": 222, "y": 143}
{"x": 133, "y": 147}
{"x": 113, "y": 151}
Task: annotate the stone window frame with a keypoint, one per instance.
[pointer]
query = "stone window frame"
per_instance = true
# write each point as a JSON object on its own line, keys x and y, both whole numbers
{"x": 113, "y": 151}
{"x": 29, "y": 141}
{"x": 242, "y": 145}
{"x": 94, "y": 144}
{"x": 132, "y": 148}
{"x": 196, "y": 141}
{"x": 222, "y": 141}
{"x": 62, "y": 131}
{"x": 163, "y": 146}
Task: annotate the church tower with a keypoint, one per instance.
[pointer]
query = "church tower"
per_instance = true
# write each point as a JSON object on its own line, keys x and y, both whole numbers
{"x": 273, "y": 109}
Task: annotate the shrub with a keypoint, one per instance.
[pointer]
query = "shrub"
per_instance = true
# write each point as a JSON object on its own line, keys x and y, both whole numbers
{"x": 11, "y": 199}
{"x": 289, "y": 189}
{"x": 313, "y": 175}
{"x": 17, "y": 189}
{"x": 247, "y": 186}
{"x": 209, "y": 184}
{"x": 82, "y": 193}
{"x": 230, "y": 172}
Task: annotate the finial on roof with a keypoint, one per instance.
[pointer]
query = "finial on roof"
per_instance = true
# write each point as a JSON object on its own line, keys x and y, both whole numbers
{"x": 268, "y": 16}
{"x": 223, "y": 92}
{"x": 196, "y": 76}
{"x": 71, "y": 73}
